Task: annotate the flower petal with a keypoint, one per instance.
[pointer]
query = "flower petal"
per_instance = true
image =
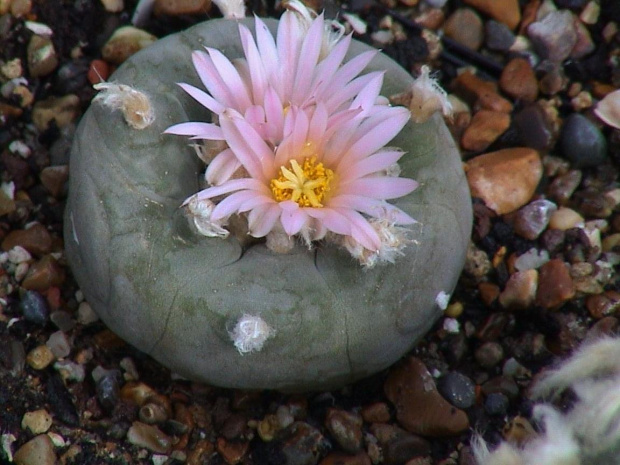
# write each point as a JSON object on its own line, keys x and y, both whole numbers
{"x": 222, "y": 167}
{"x": 379, "y": 187}
{"x": 211, "y": 79}
{"x": 228, "y": 187}
{"x": 372, "y": 207}
{"x": 203, "y": 98}
{"x": 308, "y": 58}
{"x": 258, "y": 77}
{"x": 331, "y": 219}
{"x": 261, "y": 220}
{"x": 196, "y": 130}
{"x": 230, "y": 204}
{"x": 231, "y": 77}
{"x": 372, "y": 164}
{"x": 362, "y": 231}
{"x": 293, "y": 219}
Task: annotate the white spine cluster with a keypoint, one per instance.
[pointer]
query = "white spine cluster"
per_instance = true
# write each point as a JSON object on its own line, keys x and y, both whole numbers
{"x": 199, "y": 211}
{"x": 250, "y": 334}
{"x": 135, "y": 105}
{"x": 427, "y": 97}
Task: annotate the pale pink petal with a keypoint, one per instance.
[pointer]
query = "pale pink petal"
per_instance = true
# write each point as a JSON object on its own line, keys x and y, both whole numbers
{"x": 222, "y": 167}
{"x": 258, "y": 77}
{"x": 318, "y": 124}
{"x": 196, "y": 130}
{"x": 331, "y": 219}
{"x": 274, "y": 113}
{"x": 377, "y": 162}
{"x": 347, "y": 72}
{"x": 211, "y": 79}
{"x": 293, "y": 219}
{"x": 371, "y": 207}
{"x": 255, "y": 115}
{"x": 367, "y": 97}
{"x": 309, "y": 55}
{"x": 268, "y": 53}
{"x": 256, "y": 201}
{"x": 231, "y": 77}
{"x": 288, "y": 42}
{"x": 203, "y": 98}
{"x": 228, "y": 187}
{"x": 362, "y": 231}
{"x": 329, "y": 65}
{"x": 230, "y": 204}
{"x": 350, "y": 91}
{"x": 262, "y": 219}
{"x": 379, "y": 187}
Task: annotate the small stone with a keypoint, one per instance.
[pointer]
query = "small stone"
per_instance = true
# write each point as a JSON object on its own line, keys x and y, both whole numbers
{"x": 35, "y": 239}
{"x": 44, "y": 274}
{"x": 477, "y": 262}
{"x": 113, "y": 6}
{"x": 62, "y": 110}
{"x": 86, "y": 314}
{"x": 232, "y": 451}
{"x": 42, "y": 59}
{"x": 70, "y": 371}
{"x": 531, "y": 220}
{"x": 38, "y": 421}
{"x": 485, "y": 128}
{"x": 584, "y": 45}
{"x": 496, "y": 404}
{"x": 301, "y": 444}
{"x": 505, "y": 179}
{"x": 531, "y": 259}
{"x": 565, "y": 218}
{"x": 519, "y": 81}
{"x": 54, "y": 179}
{"x": 562, "y": 188}
{"x": 38, "y": 451}
{"x": 457, "y": 389}
{"x": 339, "y": 458}
{"x": 489, "y": 354}
{"x": 603, "y": 305}
{"x": 108, "y": 388}
{"x": 377, "y": 412}
{"x": 126, "y": 41}
{"x": 489, "y": 293}
{"x": 555, "y": 285}
{"x": 535, "y": 127}
{"x": 405, "y": 447}
{"x": 34, "y": 308}
{"x": 150, "y": 437}
{"x": 492, "y": 327}
{"x": 420, "y": 408}
{"x": 465, "y": 27}
{"x": 345, "y": 428}
{"x": 480, "y": 93}
{"x": 504, "y": 11}
{"x": 554, "y": 36}
{"x": 520, "y": 290}
{"x": 582, "y": 142}
{"x": 505, "y": 385}
{"x": 518, "y": 431}
{"x": 499, "y": 37}
{"x": 40, "y": 357}
{"x": 98, "y": 71}
{"x": 182, "y": 7}
{"x": 59, "y": 344}
{"x": 7, "y": 204}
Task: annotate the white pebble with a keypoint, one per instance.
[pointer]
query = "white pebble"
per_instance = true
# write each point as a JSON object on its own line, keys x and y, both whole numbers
{"x": 451, "y": 325}
{"x": 531, "y": 260}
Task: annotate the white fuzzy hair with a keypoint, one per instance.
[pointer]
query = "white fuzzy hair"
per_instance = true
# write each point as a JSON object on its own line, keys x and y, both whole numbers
{"x": 589, "y": 433}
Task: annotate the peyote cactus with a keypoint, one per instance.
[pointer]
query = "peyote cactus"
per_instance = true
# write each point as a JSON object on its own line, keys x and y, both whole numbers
{"x": 315, "y": 319}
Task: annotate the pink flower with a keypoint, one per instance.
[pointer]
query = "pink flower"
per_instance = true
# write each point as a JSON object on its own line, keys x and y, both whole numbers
{"x": 321, "y": 179}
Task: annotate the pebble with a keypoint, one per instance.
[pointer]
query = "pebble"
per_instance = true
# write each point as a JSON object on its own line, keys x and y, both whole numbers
{"x": 584, "y": 45}
{"x": 107, "y": 387}
{"x": 504, "y": 11}
{"x": 477, "y": 263}
{"x": 493, "y": 326}
{"x": 182, "y": 7}
{"x": 457, "y": 389}
{"x": 465, "y": 27}
{"x": 562, "y": 187}
{"x": 485, "y": 128}
{"x": 489, "y": 354}
{"x": 7, "y": 204}
{"x": 505, "y": 385}
{"x": 36, "y": 239}
{"x": 125, "y": 41}
{"x": 63, "y": 110}
{"x": 149, "y": 437}
{"x": 42, "y": 59}
{"x": 98, "y": 71}
{"x": 71, "y": 77}
{"x": 301, "y": 444}
{"x": 603, "y": 305}
{"x": 86, "y": 314}
{"x": 20, "y": 8}
{"x": 37, "y": 421}
{"x": 582, "y": 142}
{"x": 404, "y": 447}
{"x": 70, "y": 371}
{"x": 496, "y": 404}
{"x": 43, "y": 274}
{"x": 520, "y": 290}
{"x": 518, "y": 431}
{"x": 535, "y": 127}
{"x": 345, "y": 428}
{"x": 519, "y": 81}
{"x": 480, "y": 93}
{"x": 499, "y": 37}
{"x": 59, "y": 344}
{"x": 531, "y": 220}
{"x": 34, "y": 308}
{"x": 113, "y": 6}
{"x": 38, "y": 451}
{"x": 339, "y": 458}
{"x": 555, "y": 285}
{"x": 420, "y": 409}
{"x": 505, "y": 179}
{"x": 40, "y": 357}
{"x": 554, "y": 36}
{"x": 378, "y": 412}
{"x": 565, "y": 218}
{"x": 232, "y": 451}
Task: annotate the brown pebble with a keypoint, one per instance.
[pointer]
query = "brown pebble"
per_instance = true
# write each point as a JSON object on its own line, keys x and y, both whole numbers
{"x": 182, "y": 7}
{"x": 200, "y": 453}
{"x": 489, "y": 292}
{"x": 62, "y": 110}
{"x": 485, "y": 127}
{"x": 606, "y": 326}
{"x": 465, "y": 27}
{"x": 562, "y": 187}
{"x": 232, "y": 451}
{"x": 420, "y": 408}
{"x": 36, "y": 240}
{"x": 54, "y": 179}
{"x": 504, "y": 11}
{"x": 602, "y": 305}
{"x": 150, "y": 437}
{"x": 505, "y": 179}
{"x": 555, "y": 285}
{"x": 40, "y": 357}
{"x": 98, "y": 71}
{"x": 480, "y": 93}
{"x": 340, "y": 458}
{"x": 136, "y": 392}
{"x": 38, "y": 451}
{"x": 42, "y": 59}
{"x": 492, "y": 327}
{"x": 377, "y": 412}
{"x": 44, "y": 274}
{"x": 37, "y": 421}
{"x": 124, "y": 42}
{"x": 520, "y": 290}
{"x": 518, "y": 431}
{"x": 345, "y": 428}
{"x": 519, "y": 81}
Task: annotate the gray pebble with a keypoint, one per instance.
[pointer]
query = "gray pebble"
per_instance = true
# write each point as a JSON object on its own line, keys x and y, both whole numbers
{"x": 535, "y": 128}
{"x": 457, "y": 389}
{"x": 108, "y": 388}
{"x": 34, "y": 308}
{"x": 496, "y": 404}
{"x": 582, "y": 142}
{"x": 499, "y": 37}
{"x": 554, "y": 36}
{"x": 489, "y": 354}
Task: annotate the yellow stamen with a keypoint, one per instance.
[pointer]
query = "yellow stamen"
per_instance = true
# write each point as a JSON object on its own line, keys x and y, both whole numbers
{"x": 305, "y": 184}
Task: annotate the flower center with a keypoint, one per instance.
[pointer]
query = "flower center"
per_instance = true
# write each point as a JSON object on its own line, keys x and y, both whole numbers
{"x": 305, "y": 184}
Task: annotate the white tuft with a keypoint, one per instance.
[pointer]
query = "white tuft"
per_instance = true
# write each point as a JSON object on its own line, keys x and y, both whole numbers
{"x": 199, "y": 212}
{"x": 393, "y": 238}
{"x": 250, "y": 334}
{"x": 442, "y": 299}
{"x": 135, "y": 105}
{"x": 427, "y": 98}
{"x": 231, "y": 9}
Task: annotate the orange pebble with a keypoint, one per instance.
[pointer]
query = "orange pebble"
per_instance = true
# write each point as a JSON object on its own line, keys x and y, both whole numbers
{"x": 98, "y": 71}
